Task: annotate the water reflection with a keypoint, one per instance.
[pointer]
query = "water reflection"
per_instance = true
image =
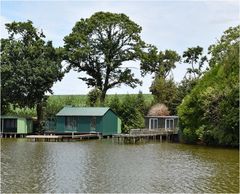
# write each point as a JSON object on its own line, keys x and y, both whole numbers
{"x": 101, "y": 166}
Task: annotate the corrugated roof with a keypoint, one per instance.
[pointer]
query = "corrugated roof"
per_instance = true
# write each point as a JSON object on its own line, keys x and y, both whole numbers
{"x": 83, "y": 111}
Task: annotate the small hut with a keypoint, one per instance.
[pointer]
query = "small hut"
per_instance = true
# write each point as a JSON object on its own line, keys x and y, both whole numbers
{"x": 159, "y": 118}
{"x": 16, "y": 125}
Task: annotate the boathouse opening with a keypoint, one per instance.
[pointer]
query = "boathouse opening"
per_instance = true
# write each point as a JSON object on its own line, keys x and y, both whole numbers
{"x": 9, "y": 125}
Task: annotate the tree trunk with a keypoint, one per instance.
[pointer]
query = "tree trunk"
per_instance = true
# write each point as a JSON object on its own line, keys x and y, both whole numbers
{"x": 105, "y": 87}
{"x": 102, "y": 97}
{"x": 193, "y": 71}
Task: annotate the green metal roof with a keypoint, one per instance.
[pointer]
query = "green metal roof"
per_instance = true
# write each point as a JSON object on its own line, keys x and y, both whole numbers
{"x": 83, "y": 111}
{"x": 13, "y": 117}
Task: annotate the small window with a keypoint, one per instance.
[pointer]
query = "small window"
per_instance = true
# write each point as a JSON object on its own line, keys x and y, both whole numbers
{"x": 93, "y": 123}
{"x": 169, "y": 123}
{"x": 153, "y": 123}
{"x": 71, "y": 123}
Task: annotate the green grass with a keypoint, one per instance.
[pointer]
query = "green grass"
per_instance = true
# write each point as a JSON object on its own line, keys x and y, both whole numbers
{"x": 56, "y": 102}
{"x": 81, "y": 99}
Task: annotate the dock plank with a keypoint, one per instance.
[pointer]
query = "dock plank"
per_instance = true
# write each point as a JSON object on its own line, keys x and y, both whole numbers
{"x": 43, "y": 136}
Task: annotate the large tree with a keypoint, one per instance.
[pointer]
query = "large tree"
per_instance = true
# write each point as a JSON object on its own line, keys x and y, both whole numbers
{"x": 100, "y": 45}
{"x": 210, "y": 112}
{"x": 165, "y": 91}
{"x": 195, "y": 57}
{"x": 158, "y": 63}
{"x": 29, "y": 67}
{"x": 219, "y": 50}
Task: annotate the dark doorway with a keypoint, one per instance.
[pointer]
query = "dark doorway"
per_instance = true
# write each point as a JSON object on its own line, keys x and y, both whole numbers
{"x": 10, "y": 125}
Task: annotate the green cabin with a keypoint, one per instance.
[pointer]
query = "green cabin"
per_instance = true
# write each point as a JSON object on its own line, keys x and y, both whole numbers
{"x": 16, "y": 125}
{"x": 88, "y": 120}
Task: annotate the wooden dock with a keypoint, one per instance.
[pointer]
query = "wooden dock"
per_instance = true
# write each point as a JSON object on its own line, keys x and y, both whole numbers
{"x": 145, "y": 135}
{"x": 57, "y": 138}
{"x": 44, "y": 137}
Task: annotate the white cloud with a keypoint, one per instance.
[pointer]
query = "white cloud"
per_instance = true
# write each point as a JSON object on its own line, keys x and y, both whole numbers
{"x": 174, "y": 25}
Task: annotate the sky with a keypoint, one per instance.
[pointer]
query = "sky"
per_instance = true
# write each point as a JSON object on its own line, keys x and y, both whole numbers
{"x": 175, "y": 25}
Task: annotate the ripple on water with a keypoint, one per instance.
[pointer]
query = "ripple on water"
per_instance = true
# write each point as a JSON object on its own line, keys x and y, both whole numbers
{"x": 100, "y": 166}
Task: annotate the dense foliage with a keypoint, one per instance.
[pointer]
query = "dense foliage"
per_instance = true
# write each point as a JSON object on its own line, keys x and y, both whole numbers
{"x": 100, "y": 45}
{"x": 160, "y": 65}
{"x": 29, "y": 67}
{"x": 165, "y": 91}
{"x": 131, "y": 110}
{"x": 118, "y": 103}
{"x": 93, "y": 97}
{"x": 210, "y": 113}
{"x": 194, "y": 56}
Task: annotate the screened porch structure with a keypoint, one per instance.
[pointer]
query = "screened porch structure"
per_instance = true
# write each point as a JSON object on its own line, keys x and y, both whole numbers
{"x": 167, "y": 123}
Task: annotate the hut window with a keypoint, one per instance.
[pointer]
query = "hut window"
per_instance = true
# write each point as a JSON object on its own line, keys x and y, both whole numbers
{"x": 169, "y": 124}
{"x": 93, "y": 123}
{"x": 71, "y": 122}
{"x": 153, "y": 123}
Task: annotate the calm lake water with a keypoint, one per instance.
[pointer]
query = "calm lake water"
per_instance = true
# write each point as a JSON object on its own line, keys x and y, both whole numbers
{"x": 103, "y": 166}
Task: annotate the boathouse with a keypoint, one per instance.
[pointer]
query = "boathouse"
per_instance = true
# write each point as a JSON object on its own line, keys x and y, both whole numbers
{"x": 161, "y": 122}
{"x": 88, "y": 120}
{"x": 16, "y": 125}
{"x": 159, "y": 118}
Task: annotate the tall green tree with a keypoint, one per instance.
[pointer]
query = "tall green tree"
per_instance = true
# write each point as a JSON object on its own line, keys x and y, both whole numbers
{"x": 165, "y": 91}
{"x": 29, "y": 67}
{"x": 131, "y": 109}
{"x": 115, "y": 104}
{"x": 100, "y": 45}
{"x": 194, "y": 56}
{"x": 131, "y": 116}
{"x": 210, "y": 113}
{"x": 93, "y": 97}
{"x": 159, "y": 63}
{"x": 219, "y": 50}
{"x": 141, "y": 104}
{"x": 183, "y": 89}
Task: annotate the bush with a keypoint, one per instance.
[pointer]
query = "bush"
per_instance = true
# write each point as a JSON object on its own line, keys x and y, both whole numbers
{"x": 131, "y": 111}
{"x": 211, "y": 111}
